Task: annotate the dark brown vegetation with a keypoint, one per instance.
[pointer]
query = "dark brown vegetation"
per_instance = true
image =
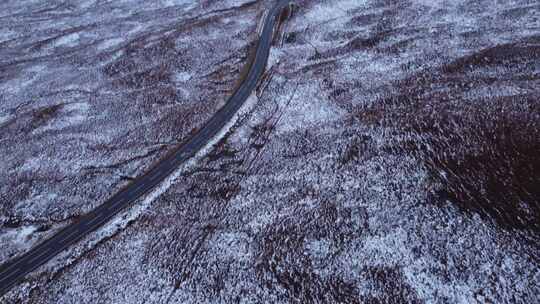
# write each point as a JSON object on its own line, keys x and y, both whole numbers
{"x": 284, "y": 264}
{"x": 482, "y": 150}
{"x": 488, "y": 162}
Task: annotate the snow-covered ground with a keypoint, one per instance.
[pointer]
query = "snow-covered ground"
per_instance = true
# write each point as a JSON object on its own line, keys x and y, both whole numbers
{"x": 392, "y": 157}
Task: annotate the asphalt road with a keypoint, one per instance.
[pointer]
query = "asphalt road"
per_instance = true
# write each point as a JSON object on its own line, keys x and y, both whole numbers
{"x": 13, "y": 271}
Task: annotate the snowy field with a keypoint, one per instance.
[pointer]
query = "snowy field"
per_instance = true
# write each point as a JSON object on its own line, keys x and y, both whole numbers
{"x": 392, "y": 157}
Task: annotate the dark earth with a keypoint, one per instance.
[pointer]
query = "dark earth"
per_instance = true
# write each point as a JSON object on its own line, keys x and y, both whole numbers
{"x": 391, "y": 154}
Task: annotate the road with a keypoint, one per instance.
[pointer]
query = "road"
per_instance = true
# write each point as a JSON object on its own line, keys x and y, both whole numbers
{"x": 14, "y": 271}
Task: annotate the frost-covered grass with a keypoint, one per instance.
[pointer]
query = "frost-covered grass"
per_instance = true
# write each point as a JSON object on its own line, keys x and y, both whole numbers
{"x": 86, "y": 107}
{"x": 390, "y": 158}
{"x": 476, "y": 132}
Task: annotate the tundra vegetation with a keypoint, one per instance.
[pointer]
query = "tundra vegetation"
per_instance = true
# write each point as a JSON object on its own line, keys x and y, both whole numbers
{"x": 391, "y": 155}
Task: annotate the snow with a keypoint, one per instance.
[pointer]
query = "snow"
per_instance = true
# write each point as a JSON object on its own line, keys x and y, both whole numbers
{"x": 326, "y": 192}
{"x": 74, "y": 113}
{"x": 182, "y": 77}
{"x": 16, "y": 238}
{"x": 5, "y": 118}
{"x": 20, "y": 234}
{"x": 308, "y": 108}
{"x": 332, "y": 12}
{"x": 69, "y": 40}
{"x": 110, "y": 43}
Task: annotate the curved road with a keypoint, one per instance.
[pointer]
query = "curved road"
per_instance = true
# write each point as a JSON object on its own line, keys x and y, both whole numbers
{"x": 15, "y": 270}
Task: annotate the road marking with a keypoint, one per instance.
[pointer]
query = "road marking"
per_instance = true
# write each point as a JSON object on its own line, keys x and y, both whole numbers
{"x": 119, "y": 201}
{"x": 89, "y": 224}
{"x": 260, "y": 26}
{"x": 137, "y": 188}
{"x": 9, "y": 276}
{"x": 44, "y": 252}
{"x": 155, "y": 175}
{"x": 11, "y": 266}
{"x": 58, "y": 240}
{"x": 68, "y": 236}
{"x": 101, "y": 221}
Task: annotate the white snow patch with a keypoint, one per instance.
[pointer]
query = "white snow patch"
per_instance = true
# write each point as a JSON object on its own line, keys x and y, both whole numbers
{"x": 87, "y": 4}
{"x": 391, "y": 246}
{"x": 182, "y": 77}
{"x": 6, "y": 35}
{"x": 177, "y": 2}
{"x": 16, "y": 240}
{"x": 18, "y": 235}
{"x": 31, "y": 164}
{"x": 4, "y": 119}
{"x": 114, "y": 56}
{"x": 329, "y": 11}
{"x": 493, "y": 91}
{"x": 38, "y": 202}
{"x": 436, "y": 4}
{"x": 37, "y": 68}
{"x": 76, "y": 106}
{"x": 429, "y": 286}
{"x": 18, "y": 85}
{"x": 318, "y": 248}
{"x": 231, "y": 245}
{"x": 307, "y": 109}
{"x": 109, "y": 43}
{"x": 136, "y": 29}
{"x": 274, "y": 57}
{"x": 69, "y": 40}
{"x": 72, "y": 114}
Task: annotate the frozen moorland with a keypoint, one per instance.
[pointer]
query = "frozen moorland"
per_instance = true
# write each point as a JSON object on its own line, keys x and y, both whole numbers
{"x": 392, "y": 154}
